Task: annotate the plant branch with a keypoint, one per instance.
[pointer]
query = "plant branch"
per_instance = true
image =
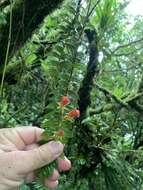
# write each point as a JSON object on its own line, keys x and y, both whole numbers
{"x": 107, "y": 92}
{"x": 93, "y": 8}
{"x": 87, "y": 83}
{"x": 128, "y": 102}
{"x": 7, "y": 51}
{"x": 126, "y": 45}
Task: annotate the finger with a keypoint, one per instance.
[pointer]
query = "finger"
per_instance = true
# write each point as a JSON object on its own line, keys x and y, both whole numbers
{"x": 31, "y": 177}
{"x": 51, "y": 184}
{"x": 54, "y": 176}
{"x": 27, "y": 161}
{"x": 29, "y": 135}
{"x": 64, "y": 164}
{"x": 7, "y": 148}
{"x": 19, "y": 137}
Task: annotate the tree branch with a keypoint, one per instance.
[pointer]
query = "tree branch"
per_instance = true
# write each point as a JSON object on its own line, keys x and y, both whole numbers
{"x": 87, "y": 83}
{"x": 129, "y": 102}
{"x": 126, "y": 45}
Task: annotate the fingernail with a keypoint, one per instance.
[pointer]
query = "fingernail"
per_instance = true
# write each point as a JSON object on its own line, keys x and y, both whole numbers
{"x": 56, "y": 148}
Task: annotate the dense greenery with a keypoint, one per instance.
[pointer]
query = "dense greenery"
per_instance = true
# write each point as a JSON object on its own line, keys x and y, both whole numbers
{"x": 90, "y": 50}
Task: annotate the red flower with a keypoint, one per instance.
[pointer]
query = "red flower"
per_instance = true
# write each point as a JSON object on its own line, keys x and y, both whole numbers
{"x": 60, "y": 133}
{"x": 74, "y": 113}
{"x": 64, "y": 101}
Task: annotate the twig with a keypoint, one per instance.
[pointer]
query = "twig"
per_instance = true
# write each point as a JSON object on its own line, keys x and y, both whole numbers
{"x": 91, "y": 11}
{"x": 126, "y": 45}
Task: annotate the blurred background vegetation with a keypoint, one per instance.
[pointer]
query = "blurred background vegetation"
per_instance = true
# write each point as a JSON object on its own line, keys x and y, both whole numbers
{"x": 90, "y": 50}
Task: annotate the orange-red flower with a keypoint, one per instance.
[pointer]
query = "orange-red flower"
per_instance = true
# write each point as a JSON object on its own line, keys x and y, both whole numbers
{"x": 64, "y": 100}
{"x": 74, "y": 113}
{"x": 60, "y": 133}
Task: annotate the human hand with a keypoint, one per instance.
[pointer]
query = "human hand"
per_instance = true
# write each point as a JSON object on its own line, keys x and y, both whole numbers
{"x": 20, "y": 156}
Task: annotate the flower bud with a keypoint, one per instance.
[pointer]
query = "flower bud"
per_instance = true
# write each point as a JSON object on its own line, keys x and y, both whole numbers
{"x": 60, "y": 133}
{"x": 74, "y": 113}
{"x": 64, "y": 101}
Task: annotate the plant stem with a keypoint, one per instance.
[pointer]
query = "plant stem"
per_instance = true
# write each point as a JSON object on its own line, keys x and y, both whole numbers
{"x": 7, "y": 51}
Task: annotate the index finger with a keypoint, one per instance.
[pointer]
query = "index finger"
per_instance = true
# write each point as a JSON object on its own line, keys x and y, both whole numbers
{"x": 29, "y": 135}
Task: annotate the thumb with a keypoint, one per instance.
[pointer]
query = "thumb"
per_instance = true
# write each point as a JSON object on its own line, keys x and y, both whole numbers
{"x": 31, "y": 160}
